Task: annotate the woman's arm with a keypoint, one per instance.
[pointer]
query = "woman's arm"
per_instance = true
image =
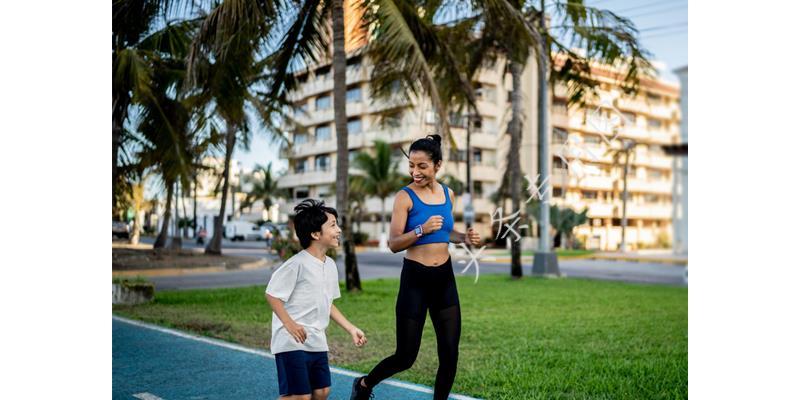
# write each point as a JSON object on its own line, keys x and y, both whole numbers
{"x": 399, "y": 241}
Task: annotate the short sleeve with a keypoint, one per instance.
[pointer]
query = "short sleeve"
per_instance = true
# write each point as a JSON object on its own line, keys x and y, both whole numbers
{"x": 283, "y": 280}
{"x": 335, "y": 284}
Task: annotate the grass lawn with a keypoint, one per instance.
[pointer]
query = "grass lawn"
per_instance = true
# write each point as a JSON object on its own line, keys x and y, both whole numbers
{"x": 527, "y": 339}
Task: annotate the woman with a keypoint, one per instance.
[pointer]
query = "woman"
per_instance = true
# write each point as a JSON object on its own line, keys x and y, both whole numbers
{"x": 422, "y": 224}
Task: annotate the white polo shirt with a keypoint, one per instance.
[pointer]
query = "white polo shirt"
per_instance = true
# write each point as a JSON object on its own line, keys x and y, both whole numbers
{"x": 307, "y": 287}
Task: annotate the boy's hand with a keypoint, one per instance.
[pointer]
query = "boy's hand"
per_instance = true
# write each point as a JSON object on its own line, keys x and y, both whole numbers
{"x": 359, "y": 339}
{"x": 297, "y": 332}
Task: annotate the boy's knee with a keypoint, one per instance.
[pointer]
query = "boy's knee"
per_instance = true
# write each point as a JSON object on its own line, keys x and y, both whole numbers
{"x": 321, "y": 394}
{"x": 296, "y": 397}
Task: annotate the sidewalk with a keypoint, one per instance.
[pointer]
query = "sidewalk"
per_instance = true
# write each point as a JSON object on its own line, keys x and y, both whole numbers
{"x": 151, "y": 362}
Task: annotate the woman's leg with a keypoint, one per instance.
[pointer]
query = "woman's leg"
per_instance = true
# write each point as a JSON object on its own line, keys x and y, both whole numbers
{"x": 409, "y": 336}
{"x": 447, "y": 323}
{"x": 410, "y": 313}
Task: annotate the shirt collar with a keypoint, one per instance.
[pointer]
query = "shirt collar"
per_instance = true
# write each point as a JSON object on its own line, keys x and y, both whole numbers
{"x": 311, "y": 256}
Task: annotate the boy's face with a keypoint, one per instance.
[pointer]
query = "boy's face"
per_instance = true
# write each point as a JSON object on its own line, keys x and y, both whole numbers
{"x": 331, "y": 233}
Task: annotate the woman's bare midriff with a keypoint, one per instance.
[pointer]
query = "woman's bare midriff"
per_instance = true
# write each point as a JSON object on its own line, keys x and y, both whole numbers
{"x": 431, "y": 254}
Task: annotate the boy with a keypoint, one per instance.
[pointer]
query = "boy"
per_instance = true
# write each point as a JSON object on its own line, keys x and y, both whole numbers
{"x": 301, "y": 293}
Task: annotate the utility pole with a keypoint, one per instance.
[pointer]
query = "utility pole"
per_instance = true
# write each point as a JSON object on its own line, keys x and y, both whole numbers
{"x": 545, "y": 262}
{"x": 469, "y": 210}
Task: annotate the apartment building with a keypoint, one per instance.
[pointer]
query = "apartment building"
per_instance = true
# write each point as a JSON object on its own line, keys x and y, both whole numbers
{"x": 651, "y": 119}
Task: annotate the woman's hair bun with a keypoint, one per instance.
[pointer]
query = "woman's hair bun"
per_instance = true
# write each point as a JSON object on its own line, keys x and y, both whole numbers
{"x": 436, "y": 138}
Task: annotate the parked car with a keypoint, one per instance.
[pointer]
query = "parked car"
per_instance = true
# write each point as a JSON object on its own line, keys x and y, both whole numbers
{"x": 243, "y": 230}
{"x": 120, "y": 229}
{"x": 278, "y": 230}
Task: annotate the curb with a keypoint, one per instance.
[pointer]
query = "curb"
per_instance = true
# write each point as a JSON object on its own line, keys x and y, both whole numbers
{"x": 260, "y": 263}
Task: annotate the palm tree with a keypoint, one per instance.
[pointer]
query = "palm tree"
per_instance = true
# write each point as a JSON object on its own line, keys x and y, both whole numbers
{"x": 264, "y": 188}
{"x": 224, "y": 63}
{"x": 381, "y": 178}
{"x": 628, "y": 153}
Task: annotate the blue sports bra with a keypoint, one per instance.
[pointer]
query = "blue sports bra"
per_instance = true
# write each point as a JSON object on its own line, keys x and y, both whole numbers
{"x": 420, "y": 212}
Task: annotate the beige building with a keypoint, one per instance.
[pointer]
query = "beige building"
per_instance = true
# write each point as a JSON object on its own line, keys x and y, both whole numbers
{"x": 653, "y": 119}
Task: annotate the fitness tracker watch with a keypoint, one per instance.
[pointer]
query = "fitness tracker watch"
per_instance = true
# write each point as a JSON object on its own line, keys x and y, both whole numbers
{"x": 418, "y": 231}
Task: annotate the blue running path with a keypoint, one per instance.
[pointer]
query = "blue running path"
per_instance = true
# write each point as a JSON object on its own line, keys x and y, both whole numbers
{"x": 152, "y": 363}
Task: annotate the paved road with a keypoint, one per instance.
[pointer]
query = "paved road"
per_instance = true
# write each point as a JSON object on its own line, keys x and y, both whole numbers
{"x": 373, "y": 264}
{"x": 155, "y": 363}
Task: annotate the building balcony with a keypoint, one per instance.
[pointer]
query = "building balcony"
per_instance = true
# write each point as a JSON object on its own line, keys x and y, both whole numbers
{"x": 308, "y": 178}
{"x": 649, "y": 186}
{"x": 647, "y": 211}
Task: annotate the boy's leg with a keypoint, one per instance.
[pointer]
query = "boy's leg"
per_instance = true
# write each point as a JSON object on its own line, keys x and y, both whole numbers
{"x": 293, "y": 377}
{"x": 321, "y": 394}
{"x": 319, "y": 374}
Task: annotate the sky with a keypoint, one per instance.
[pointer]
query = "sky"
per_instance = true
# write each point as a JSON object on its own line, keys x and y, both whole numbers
{"x": 663, "y": 27}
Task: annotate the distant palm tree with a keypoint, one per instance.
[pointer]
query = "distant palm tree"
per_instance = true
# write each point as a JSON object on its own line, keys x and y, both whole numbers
{"x": 264, "y": 188}
{"x": 627, "y": 153}
{"x": 381, "y": 178}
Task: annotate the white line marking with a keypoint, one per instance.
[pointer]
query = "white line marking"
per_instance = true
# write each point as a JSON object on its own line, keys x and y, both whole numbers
{"x": 228, "y": 345}
{"x": 147, "y": 396}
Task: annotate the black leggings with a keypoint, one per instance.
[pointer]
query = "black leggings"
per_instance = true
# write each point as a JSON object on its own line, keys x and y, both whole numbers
{"x": 425, "y": 289}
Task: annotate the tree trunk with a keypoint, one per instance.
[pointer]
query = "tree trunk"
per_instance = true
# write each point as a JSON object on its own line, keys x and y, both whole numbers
{"x": 161, "y": 240}
{"x": 383, "y": 216}
{"x": 353, "y": 280}
{"x": 624, "y": 198}
{"x": 515, "y": 128}
{"x": 194, "y": 206}
{"x": 544, "y": 138}
{"x": 185, "y": 218}
{"x": 215, "y": 244}
{"x": 118, "y": 114}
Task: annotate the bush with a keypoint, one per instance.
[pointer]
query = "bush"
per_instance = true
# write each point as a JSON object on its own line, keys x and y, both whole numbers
{"x": 360, "y": 238}
{"x": 286, "y": 248}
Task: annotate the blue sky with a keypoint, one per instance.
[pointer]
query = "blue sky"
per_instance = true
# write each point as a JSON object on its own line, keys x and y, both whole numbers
{"x": 664, "y": 32}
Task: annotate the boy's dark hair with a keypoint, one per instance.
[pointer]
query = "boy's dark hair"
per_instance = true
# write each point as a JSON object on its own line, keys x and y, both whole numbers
{"x": 431, "y": 144}
{"x": 309, "y": 217}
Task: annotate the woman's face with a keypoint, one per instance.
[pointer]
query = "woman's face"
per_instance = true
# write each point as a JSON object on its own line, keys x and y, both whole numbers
{"x": 421, "y": 168}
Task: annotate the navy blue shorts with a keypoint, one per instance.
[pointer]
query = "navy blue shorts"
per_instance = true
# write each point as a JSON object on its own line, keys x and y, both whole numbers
{"x": 300, "y": 372}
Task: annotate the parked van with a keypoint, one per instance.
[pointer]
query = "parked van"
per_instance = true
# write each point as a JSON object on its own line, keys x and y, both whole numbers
{"x": 243, "y": 230}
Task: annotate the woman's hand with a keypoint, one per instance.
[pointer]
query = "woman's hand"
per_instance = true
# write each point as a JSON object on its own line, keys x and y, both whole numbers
{"x": 473, "y": 237}
{"x": 297, "y": 332}
{"x": 433, "y": 224}
{"x": 359, "y": 339}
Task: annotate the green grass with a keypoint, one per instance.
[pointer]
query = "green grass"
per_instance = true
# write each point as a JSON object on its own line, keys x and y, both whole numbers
{"x": 526, "y": 339}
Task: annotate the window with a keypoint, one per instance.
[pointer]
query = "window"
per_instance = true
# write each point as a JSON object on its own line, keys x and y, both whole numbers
{"x": 458, "y": 155}
{"x": 655, "y": 174}
{"x": 354, "y": 94}
{"x": 322, "y": 192}
{"x": 477, "y": 124}
{"x": 476, "y": 156}
{"x": 560, "y": 107}
{"x": 300, "y": 166}
{"x": 303, "y": 105}
{"x": 394, "y": 120}
{"x": 322, "y": 162}
{"x": 457, "y": 120}
{"x": 560, "y": 136}
{"x": 301, "y": 193}
{"x": 323, "y": 102}
{"x": 508, "y": 96}
{"x": 477, "y": 189}
{"x": 653, "y": 98}
{"x": 485, "y": 92}
{"x": 558, "y": 163}
{"x": 300, "y": 138}
{"x": 557, "y": 192}
{"x": 354, "y": 126}
{"x": 323, "y": 133}
{"x": 431, "y": 117}
{"x": 591, "y": 139}
{"x": 589, "y": 194}
{"x": 654, "y": 123}
{"x": 351, "y": 155}
{"x": 628, "y": 118}
{"x": 651, "y": 198}
{"x": 322, "y": 73}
